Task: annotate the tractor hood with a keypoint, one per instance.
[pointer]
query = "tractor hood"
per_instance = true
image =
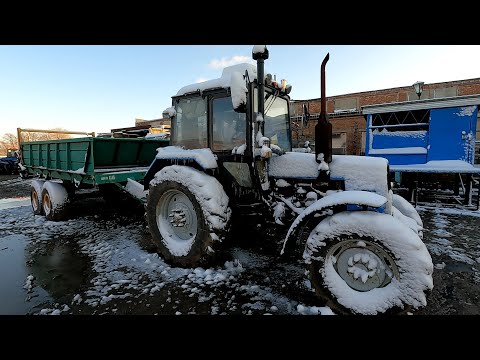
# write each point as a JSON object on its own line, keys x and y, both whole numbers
{"x": 358, "y": 172}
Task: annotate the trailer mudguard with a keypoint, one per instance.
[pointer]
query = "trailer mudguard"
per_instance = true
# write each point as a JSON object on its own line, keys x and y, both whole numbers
{"x": 340, "y": 201}
{"x": 200, "y": 159}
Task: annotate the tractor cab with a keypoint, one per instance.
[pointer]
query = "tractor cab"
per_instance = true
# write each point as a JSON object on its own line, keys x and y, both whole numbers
{"x": 241, "y": 120}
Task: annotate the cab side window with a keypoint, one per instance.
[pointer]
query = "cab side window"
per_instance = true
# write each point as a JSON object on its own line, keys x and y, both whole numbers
{"x": 191, "y": 123}
{"x": 229, "y": 127}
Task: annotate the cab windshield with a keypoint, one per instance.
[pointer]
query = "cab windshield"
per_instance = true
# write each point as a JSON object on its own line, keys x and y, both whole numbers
{"x": 277, "y": 121}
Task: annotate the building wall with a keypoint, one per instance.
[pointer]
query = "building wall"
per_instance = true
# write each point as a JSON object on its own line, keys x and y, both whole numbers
{"x": 354, "y": 124}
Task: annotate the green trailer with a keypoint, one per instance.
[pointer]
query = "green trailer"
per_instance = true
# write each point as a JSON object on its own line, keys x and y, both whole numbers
{"x": 87, "y": 162}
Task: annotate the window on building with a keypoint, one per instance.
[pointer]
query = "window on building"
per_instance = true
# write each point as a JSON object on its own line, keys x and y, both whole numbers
{"x": 229, "y": 127}
{"x": 345, "y": 105}
{"x": 190, "y": 128}
{"x": 402, "y": 120}
{"x": 445, "y": 92}
{"x": 339, "y": 143}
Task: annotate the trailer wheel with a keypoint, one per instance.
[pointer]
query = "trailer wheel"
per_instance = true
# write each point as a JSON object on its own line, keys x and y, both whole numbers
{"x": 36, "y": 197}
{"x": 368, "y": 263}
{"x": 186, "y": 234}
{"x": 55, "y": 201}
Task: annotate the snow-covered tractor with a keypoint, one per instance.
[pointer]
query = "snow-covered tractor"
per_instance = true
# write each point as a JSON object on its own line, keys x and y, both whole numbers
{"x": 232, "y": 153}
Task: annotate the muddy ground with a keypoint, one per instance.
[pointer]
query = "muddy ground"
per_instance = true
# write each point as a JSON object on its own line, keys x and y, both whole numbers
{"x": 101, "y": 261}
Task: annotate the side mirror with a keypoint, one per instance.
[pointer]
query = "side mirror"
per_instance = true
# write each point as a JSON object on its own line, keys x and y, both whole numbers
{"x": 169, "y": 112}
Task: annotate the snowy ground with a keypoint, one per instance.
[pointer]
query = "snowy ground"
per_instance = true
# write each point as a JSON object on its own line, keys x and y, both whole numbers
{"x": 102, "y": 262}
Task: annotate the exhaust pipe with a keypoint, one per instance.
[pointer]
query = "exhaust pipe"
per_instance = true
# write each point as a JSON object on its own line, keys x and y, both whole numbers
{"x": 260, "y": 54}
{"x": 323, "y": 129}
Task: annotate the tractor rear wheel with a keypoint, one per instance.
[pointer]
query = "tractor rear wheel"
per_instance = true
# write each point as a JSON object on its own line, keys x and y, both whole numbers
{"x": 188, "y": 215}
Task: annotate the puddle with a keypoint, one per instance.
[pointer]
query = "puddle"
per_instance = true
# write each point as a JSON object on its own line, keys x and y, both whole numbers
{"x": 14, "y": 273}
{"x": 58, "y": 271}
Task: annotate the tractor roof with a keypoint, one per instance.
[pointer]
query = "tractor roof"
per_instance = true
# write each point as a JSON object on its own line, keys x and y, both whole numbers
{"x": 232, "y": 77}
{"x": 225, "y": 81}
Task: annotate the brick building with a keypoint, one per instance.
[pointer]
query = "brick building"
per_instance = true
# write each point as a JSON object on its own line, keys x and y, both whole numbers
{"x": 348, "y": 122}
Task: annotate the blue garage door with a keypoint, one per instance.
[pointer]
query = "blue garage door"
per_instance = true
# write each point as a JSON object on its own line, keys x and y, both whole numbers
{"x": 451, "y": 132}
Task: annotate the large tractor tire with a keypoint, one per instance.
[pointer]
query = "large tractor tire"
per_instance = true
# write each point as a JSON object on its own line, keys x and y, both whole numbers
{"x": 368, "y": 263}
{"x": 406, "y": 208}
{"x": 55, "y": 201}
{"x": 188, "y": 215}
{"x": 36, "y": 197}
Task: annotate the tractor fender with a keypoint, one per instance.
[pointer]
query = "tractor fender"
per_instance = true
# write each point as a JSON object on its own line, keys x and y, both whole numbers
{"x": 200, "y": 159}
{"x": 340, "y": 201}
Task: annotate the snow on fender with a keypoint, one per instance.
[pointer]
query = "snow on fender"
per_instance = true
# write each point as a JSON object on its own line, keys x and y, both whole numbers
{"x": 368, "y": 237}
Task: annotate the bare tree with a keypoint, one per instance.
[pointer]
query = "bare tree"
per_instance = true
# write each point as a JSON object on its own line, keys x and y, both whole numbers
{"x": 8, "y": 141}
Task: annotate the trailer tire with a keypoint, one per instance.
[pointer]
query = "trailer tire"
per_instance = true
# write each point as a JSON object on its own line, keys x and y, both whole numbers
{"x": 368, "y": 263}
{"x": 36, "y": 197}
{"x": 55, "y": 201}
{"x": 183, "y": 232}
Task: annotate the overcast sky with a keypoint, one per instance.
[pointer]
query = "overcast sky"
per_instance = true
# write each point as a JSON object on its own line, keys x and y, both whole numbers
{"x": 97, "y": 88}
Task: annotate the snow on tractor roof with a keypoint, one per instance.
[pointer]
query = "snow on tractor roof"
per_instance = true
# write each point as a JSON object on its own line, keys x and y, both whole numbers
{"x": 232, "y": 77}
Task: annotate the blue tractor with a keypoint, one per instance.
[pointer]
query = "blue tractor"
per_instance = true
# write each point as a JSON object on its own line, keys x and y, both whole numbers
{"x": 9, "y": 164}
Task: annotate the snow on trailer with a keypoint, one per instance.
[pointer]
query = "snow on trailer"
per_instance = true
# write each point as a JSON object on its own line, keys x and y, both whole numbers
{"x": 424, "y": 137}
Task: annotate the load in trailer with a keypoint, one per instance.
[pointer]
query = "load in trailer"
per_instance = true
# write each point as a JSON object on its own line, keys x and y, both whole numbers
{"x": 231, "y": 155}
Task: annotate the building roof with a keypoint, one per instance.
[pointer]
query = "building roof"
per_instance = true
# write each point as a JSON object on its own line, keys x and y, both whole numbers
{"x": 456, "y": 101}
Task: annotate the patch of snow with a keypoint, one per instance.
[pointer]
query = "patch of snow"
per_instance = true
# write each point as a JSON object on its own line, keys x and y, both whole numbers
{"x": 208, "y": 192}
{"x": 239, "y": 150}
{"x": 135, "y": 189}
{"x": 361, "y": 173}
{"x": 322, "y": 165}
{"x": 446, "y": 166}
{"x": 79, "y": 170}
{"x": 440, "y": 266}
{"x": 281, "y": 183}
{"x": 170, "y": 111}
{"x": 266, "y": 152}
{"x": 409, "y": 134}
{"x": 232, "y": 77}
{"x": 204, "y": 157}
{"x": 406, "y": 208}
{"x": 408, "y": 221}
{"x": 411, "y": 256}
{"x": 404, "y": 150}
{"x": 466, "y": 111}
{"x": 314, "y": 310}
{"x": 238, "y": 89}
{"x": 293, "y": 165}
{"x": 279, "y": 213}
{"x": 259, "y": 49}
